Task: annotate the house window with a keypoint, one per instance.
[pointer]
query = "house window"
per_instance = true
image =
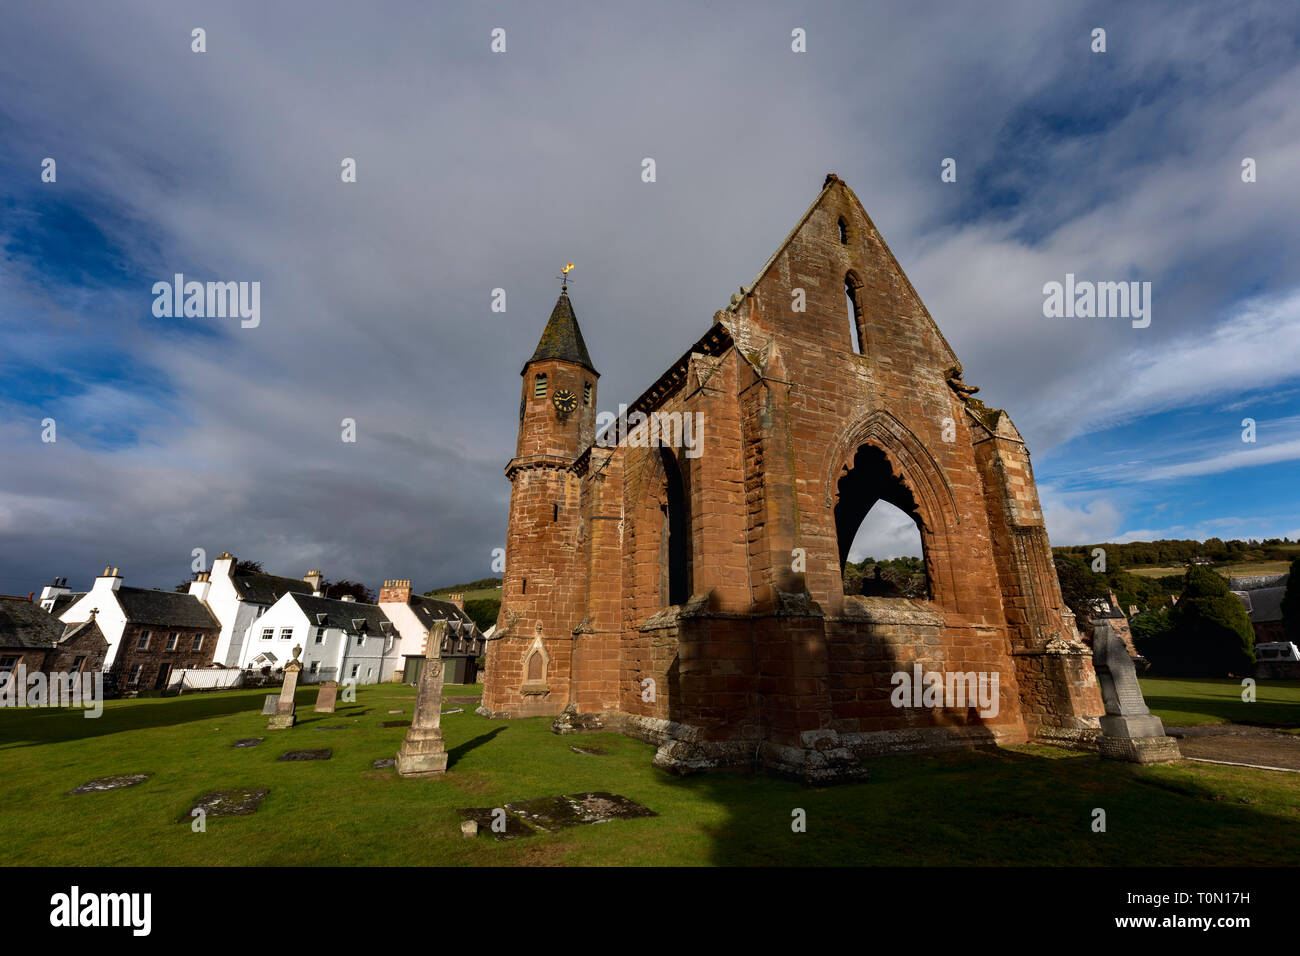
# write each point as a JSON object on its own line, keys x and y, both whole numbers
{"x": 198, "y": 643}
{"x": 315, "y": 667}
{"x": 361, "y": 640}
{"x": 320, "y": 635}
{"x": 172, "y": 640}
{"x": 143, "y": 643}
{"x": 135, "y": 674}
{"x": 8, "y": 663}
{"x": 586, "y": 393}
{"x": 77, "y": 665}
{"x": 539, "y": 385}
{"x": 286, "y": 634}
{"x": 268, "y": 633}
{"x": 355, "y": 668}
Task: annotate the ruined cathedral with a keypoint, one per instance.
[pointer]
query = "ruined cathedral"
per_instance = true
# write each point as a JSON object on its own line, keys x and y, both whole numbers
{"x": 692, "y": 595}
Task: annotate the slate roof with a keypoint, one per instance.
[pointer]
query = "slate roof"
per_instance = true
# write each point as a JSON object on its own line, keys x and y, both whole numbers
{"x": 562, "y": 338}
{"x": 24, "y": 623}
{"x": 76, "y": 630}
{"x": 64, "y": 601}
{"x": 165, "y": 608}
{"x": 258, "y": 588}
{"x": 345, "y": 614}
{"x": 1262, "y": 604}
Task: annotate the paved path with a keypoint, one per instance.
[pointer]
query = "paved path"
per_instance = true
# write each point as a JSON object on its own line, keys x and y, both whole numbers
{"x": 1239, "y": 744}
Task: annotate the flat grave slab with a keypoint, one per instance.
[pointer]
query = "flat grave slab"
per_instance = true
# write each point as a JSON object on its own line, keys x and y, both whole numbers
{"x": 394, "y": 711}
{"x": 323, "y": 754}
{"x": 227, "y": 803}
{"x": 589, "y": 751}
{"x": 112, "y": 783}
{"x": 454, "y": 710}
{"x": 601, "y": 807}
{"x": 248, "y": 742}
{"x": 334, "y": 727}
{"x": 516, "y": 829}
{"x": 383, "y": 763}
{"x": 397, "y": 723}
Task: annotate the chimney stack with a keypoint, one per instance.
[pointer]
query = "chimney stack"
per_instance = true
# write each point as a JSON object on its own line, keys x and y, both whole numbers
{"x": 395, "y": 591}
{"x": 314, "y": 578}
{"x": 111, "y": 579}
{"x": 457, "y": 599}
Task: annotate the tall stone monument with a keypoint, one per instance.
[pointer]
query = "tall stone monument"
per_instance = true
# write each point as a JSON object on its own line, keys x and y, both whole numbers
{"x": 422, "y": 753}
{"x": 284, "y": 717}
{"x": 1128, "y": 731}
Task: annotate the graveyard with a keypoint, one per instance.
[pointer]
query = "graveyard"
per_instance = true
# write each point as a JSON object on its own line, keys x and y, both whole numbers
{"x": 324, "y": 792}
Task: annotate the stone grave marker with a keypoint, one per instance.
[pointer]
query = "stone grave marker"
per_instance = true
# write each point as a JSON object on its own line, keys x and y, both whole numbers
{"x": 227, "y": 803}
{"x": 422, "y": 753}
{"x": 326, "y": 696}
{"x": 268, "y": 705}
{"x": 112, "y": 783}
{"x": 1128, "y": 731}
{"x": 284, "y": 718}
{"x": 323, "y": 754}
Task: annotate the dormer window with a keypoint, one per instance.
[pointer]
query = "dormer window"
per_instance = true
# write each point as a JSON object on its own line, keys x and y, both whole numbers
{"x": 539, "y": 385}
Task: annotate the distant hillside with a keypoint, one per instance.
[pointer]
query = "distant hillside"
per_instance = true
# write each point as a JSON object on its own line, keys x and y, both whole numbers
{"x": 482, "y": 599}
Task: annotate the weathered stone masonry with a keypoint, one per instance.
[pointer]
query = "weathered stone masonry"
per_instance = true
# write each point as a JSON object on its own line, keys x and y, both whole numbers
{"x": 718, "y": 576}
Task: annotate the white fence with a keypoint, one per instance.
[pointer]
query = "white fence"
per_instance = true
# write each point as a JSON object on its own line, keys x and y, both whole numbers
{"x": 206, "y": 678}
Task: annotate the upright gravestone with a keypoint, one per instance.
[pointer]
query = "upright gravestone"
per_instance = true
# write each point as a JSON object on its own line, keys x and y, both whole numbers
{"x": 284, "y": 718}
{"x": 1128, "y": 731}
{"x": 422, "y": 753}
{"x": 326, "y": 696}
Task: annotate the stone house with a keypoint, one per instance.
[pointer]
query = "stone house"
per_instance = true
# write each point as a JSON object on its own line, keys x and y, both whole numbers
{"x": 150, "y": 632}
{"x": 414, "y": 614}
{"x": 40, "y": 642}
{"x": 681, "y": 579}
{"x": 1262, "y": 596}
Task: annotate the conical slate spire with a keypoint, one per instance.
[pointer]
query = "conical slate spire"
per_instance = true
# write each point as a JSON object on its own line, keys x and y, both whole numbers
{"x": 562, "y": 338}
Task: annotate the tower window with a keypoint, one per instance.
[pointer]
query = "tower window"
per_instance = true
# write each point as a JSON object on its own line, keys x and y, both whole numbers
{"x": 844, "y": 232}
{"x": 525, "y": 587}
{"x": 539, "y": 385}
{"x": 586, "y": 393}
{"x": 555, "y": 512}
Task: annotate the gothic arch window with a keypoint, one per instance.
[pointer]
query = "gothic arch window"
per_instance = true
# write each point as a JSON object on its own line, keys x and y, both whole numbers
{"x": 853, "y": 306}
{"x": 876, "y": 516}
{"x": 539, "y": 385}
{"x": 675, "y": 541}
{"x": 535, "y": 665}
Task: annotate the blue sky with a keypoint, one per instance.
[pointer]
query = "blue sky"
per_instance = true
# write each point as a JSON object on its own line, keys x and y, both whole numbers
{"x": 479, "y": 170}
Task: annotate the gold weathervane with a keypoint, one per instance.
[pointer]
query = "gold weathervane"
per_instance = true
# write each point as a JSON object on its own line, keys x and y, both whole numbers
{"x": 564, "y": 277}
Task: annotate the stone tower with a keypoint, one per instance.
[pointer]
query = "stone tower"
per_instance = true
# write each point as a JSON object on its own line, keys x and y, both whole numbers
{"x": 542, "y": 588}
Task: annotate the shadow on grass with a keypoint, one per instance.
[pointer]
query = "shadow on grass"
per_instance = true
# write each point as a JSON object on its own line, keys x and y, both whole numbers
{"x": 1004, "y": 807}
{"x": 1220, "y": 699}
{"x": 455, "y": 753}
{"x": 33, "y": 726}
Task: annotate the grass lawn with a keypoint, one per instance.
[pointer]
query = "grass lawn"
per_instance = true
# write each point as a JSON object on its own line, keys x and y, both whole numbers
{"x": 1185, "y": 702}
{"x": 1244, "y": 570}
{"x": 1023, "y": 805}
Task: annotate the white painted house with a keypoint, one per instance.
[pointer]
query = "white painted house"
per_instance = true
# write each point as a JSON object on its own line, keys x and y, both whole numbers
{"x": 414, "y": 614}
{"x": 239, "y": 598}
{"x": 340, "y": 640}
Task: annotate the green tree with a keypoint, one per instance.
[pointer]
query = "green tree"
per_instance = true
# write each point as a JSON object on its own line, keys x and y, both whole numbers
{"x": 1080, "y": 586}
{"x": 1209, "y": 632}
{"x": 1291, "y": 604}
{"x": 483, "y": 611}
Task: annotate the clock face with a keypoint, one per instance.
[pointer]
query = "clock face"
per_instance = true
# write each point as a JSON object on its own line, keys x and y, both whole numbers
{"x": 565, "y": 401}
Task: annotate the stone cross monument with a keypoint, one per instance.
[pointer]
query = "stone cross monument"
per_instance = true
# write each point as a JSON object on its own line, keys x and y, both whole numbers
{"x": 422, "y": 753}
{"x": 1128, "y": 731}
{"x": 284, "y": 718}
